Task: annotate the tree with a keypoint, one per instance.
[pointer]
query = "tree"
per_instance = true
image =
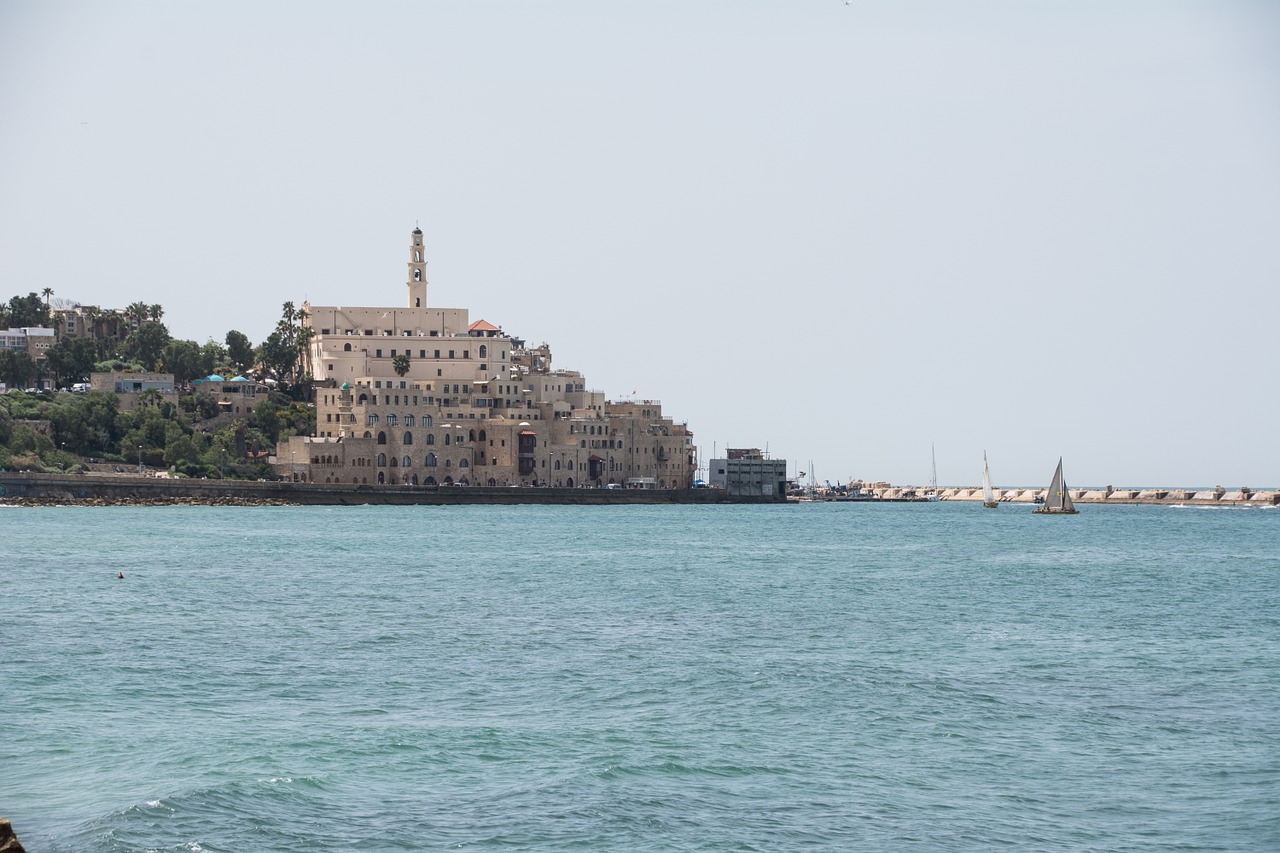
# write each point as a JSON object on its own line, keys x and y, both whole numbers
{"x": 401, "y": 364}
{"x": 266, "y": 417}
{"x": 239, "y": 350}
{"x": 46, "y": 293}
{"x": 27, "y": 311}
{"x": 16, "y": 368}
{"x": 213, "y": 356}
{"x": 183, "y": 360}
{"x": 148, "y": 344}
{"x": 138, "y": 311}
{"x": 71, "y": 360}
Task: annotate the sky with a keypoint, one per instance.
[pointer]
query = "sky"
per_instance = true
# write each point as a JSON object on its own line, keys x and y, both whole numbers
{"x": 851, "y": 234}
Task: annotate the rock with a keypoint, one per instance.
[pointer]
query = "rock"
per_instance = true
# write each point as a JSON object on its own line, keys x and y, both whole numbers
{"x": 9, "y": 842}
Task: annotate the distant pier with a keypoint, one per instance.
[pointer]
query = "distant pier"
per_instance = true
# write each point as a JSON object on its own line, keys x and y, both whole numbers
{"x": 1217, "y": 496}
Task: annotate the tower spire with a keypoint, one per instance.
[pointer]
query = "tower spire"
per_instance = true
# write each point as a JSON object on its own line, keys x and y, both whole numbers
{"x": 417, "y": 282}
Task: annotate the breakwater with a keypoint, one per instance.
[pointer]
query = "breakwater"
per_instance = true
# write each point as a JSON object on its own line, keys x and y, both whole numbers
{"x": 107, "y": 489}
{"x": 1217, "y": 496}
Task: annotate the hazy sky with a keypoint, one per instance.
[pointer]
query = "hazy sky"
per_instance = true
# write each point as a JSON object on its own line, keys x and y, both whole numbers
{"x": 843, "y": 232}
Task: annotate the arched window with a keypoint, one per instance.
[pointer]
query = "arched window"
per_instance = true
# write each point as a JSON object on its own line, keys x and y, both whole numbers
{"x": 346, "y": 347}
{"x": 426, "y": 420}
{"x": 557, "y": 464}
{"x": 381, "y": 478}
{"x": 430, "y": 460}
{"x": 406, "y": 462}
{"x": 371, "y": 419}
{"x": 462, "y": 463}
{"x": 391, "y": 420}
{"x": 430, "y": 481}
{"x": 484, "y": 351}
{"x": 364, "y": 398}
{"x": 408, "y": 420}
{"x": 382, "y": 438}
{"x": 446, "y": 439}
{"x": 395, "y": 463}
{"x": 448, "y": 463}
{"x": 471, "y": 436}
{"x": 431, "y": 438}
{"x": 382, "y": 460}
{"x": 583, "y": 442}
{"x": 482, "y": 435}
{"x": 417, "y": 256}
{"x": 408, "y": 437}
{"x": 417, "y": 275}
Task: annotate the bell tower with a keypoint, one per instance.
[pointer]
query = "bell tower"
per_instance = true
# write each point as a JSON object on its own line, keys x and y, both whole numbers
{"x": 417, "y": 271}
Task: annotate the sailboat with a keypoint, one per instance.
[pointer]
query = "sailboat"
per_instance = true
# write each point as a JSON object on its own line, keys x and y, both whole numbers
{"x": 988, "y": 496}
{"x": 1058, "y": 500}
{"x": 932, "y": 494}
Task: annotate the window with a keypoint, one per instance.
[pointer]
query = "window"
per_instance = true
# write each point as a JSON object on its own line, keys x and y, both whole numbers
{"x": 462, "y": 463}
{"x": 382, "y": 438}
{"x": 431, "y": 438}
{"x": 391, "y": 420}
{"x": 450, "y": 353}
{"x": 378, "y": 353}
{"x": 407, "y": 462}
{"x": 371, "y": 420}
{"x": 408, "y": 420}
{"x": 408, "y": 438}
{"x": 382, "y": 460}
{"x": 484, "y": 351}
{"x": 430, "y": 461}
{"x": 346, "y": 347}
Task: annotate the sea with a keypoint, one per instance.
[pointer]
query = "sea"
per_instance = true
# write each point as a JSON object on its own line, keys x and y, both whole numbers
{"x": 811, "y": 677}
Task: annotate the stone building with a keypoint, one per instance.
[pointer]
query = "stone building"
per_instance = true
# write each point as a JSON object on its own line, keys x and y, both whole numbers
{"x": 135, "y": 389}
{"x": 424, "y": 396}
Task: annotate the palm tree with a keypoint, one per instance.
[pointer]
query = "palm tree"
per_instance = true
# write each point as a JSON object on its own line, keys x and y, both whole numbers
{"x": 46, "y": 293}
{"x": 156, "y": 312}
{"x": 138, "y": 311}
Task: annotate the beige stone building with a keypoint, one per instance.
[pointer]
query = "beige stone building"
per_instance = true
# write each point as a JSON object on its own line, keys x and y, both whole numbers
{"x": 473, "y": 406}
{"x": 135, "y": 389}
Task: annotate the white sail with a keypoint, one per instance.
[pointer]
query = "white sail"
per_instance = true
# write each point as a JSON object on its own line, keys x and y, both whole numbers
{"x": 988, "y": 496}
{"x": 1057, "y": 499}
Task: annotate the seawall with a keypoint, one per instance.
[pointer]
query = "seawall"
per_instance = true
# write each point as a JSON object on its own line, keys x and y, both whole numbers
{"x": 93, "y": 489}
{"x": 1217, "y": 496}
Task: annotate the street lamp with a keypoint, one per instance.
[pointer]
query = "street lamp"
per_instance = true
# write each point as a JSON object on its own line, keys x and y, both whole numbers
{"x": 139, "y": 458}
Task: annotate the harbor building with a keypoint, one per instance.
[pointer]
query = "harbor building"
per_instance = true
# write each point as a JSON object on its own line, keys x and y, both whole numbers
{"x": 423, "y": 395}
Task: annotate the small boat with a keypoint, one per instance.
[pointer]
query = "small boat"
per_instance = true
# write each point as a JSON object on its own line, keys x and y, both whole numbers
{"x": 1057, "y": 501}
{"x": 988, "y": 496}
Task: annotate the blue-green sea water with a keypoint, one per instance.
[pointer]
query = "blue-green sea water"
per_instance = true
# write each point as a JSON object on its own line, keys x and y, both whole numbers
{"x": 806, "y": 677}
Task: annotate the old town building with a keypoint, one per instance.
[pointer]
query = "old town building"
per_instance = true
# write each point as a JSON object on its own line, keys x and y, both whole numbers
{"x": 424, "y": 396}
